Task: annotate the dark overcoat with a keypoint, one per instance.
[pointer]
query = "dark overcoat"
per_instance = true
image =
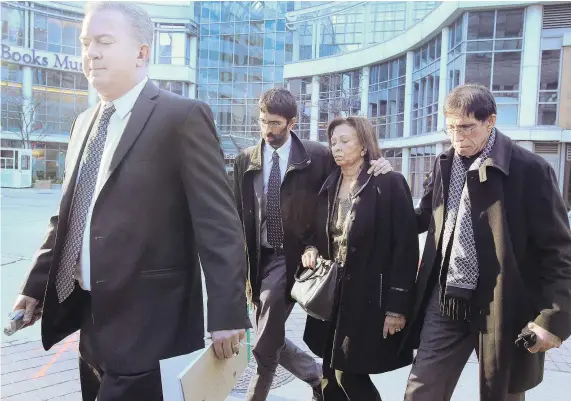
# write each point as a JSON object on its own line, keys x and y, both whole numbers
{"x": 309, "y": 165}
{"x": 379, "y": 273}
{"x": 523, "y": 244}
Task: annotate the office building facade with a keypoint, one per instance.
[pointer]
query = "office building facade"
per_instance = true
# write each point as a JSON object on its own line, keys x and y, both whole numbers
{"x": 393, "y": 62}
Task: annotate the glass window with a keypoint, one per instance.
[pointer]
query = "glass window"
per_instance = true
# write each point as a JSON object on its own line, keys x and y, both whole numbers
{"x": 547, "y": 114}
{"x": 11, "y": 72}
{"x": 425, "y": 90}
{"x": 493, "y": 58}
{"x": 547, "y": 111}
{"x": 550, "y": 61}
{"x": 11, "y": 108}
{"x": 479, "y": 68}
{"x": 507, "y": 67}
{"x": 12, "y": 26}
{"x": 57, "y": 34}
{"x": 54, "y": 34}
{"x": 386, "y": 98}
{"x": 481, "y": 25}
{"x": 55, "y": 111}
{"x": 421, "y": 160}
{"x": 174, "y": 48}
{"x": 509, "y": 23}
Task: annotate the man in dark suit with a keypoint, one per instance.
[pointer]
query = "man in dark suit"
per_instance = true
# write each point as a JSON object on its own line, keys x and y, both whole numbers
{"x": 145, "y": 193}
{"x": 276, "y": 183}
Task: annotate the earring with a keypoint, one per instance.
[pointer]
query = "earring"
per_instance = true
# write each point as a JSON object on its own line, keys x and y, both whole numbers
{"x": 363, "y": 153}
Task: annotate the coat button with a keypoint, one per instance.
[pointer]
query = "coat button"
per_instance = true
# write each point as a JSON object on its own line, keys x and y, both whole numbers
{"x": 348, "y": 276}
{"x": 353, "y": 249}
{"x": 431, "y": 230}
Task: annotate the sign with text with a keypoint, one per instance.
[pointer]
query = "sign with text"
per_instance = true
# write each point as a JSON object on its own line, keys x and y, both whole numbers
{"x": 39, "y": 58}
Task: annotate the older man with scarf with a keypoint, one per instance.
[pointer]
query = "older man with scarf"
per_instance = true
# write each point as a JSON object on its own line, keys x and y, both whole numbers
{"x": 497, "y": 260}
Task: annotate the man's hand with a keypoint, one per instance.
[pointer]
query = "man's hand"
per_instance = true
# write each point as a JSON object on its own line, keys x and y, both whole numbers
{"x": 380, "y": 166}
{"x": 227, "y": 342}
{"x": 309, "y": 258}
{"x": 32, "y": 313}
{"x": 545, "y": 340}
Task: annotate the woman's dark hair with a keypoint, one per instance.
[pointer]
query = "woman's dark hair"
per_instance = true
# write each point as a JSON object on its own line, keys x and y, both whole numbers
{"x": 470, "y": 99}
{"x": 365, "y": 133}
{"x": 279, "y": 101}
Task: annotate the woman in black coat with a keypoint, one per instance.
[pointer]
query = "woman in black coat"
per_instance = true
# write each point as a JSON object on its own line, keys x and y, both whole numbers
{"x": 368, "y": 225}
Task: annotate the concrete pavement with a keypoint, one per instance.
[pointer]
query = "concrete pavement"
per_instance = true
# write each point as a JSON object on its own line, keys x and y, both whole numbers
{"x": 29, "y": 373}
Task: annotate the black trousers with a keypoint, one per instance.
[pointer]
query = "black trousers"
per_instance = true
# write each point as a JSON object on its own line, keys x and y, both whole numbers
{"x": 100, "y": 383}
{"x": 346, "y": 386}
{"x": 445, "y": 347}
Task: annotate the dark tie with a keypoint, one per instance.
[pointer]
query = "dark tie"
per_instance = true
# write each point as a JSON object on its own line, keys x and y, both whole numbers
{"x": 84, "y": 189}
{"x": 273, "y": 213}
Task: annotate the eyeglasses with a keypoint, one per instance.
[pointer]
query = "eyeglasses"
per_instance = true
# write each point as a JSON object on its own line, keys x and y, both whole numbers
{"x": 460, "y": 129}
{"x": 271, "y": 124}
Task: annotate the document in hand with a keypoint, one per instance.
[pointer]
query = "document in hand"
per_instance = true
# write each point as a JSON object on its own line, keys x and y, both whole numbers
{"x": 200, "y": 376}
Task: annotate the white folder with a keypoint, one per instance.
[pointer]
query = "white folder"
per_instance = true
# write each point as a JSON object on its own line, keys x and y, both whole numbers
{"x": 200, "y": 376}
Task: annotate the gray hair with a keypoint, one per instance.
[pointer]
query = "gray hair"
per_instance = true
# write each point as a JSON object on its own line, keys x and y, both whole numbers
{"x": 138, "y": 18}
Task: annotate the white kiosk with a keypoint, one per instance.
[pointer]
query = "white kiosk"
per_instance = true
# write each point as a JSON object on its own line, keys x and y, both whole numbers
{"x": 16, "y": 168}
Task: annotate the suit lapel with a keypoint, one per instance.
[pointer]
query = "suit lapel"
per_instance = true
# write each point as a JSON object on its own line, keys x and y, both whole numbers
{"x": 140, "y": 114}
{"x": 80, "y": 135}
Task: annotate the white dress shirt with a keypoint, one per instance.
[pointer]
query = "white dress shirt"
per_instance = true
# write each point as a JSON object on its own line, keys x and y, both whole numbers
{"x": 283, "y": 152}
{"x": 117, "y": 124}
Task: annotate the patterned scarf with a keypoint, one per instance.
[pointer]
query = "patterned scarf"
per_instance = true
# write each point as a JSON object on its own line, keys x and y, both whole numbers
{"x": 463, "y": 271}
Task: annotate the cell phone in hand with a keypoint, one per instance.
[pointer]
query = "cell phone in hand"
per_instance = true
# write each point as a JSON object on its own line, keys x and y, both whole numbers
{"x": 527, "y": 338}
{"x": 16, "y": 322}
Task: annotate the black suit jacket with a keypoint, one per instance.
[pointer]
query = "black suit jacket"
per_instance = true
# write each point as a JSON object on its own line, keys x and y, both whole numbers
{"x": 166, "y": 200}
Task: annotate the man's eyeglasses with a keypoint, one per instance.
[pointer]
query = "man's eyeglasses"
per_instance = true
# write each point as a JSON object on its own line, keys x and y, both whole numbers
{"x": 460, "y": 129}
{"x": 271, "y": 124}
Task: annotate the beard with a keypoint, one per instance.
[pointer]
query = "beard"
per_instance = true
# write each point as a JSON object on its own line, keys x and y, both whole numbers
{"x": 277, "y": 140}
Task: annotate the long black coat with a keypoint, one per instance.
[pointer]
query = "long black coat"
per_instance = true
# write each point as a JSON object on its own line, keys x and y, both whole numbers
{"x": 309, "y": 165}
{"x": 523, "y": 243}
{"x": 379, "y": 273}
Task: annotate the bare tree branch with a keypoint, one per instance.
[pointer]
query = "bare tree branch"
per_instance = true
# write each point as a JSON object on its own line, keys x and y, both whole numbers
{"x": 26, "y": 110}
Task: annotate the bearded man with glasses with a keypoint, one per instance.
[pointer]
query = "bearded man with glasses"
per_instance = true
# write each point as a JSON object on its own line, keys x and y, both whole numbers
{"x": 496, "y": 264}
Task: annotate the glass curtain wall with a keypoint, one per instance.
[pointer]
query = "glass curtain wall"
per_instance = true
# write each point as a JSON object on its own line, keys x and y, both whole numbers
{"x": 494, "y": 41}
{"x": 11, "y": 97}
{"x": 339, "y": 95}
{"x": 386, "y": 98}
{"x": 12, "y": 25}
{"x": 341, "y": 32}
{"x": 59, "y": 97}
{"x": 57, "y": 31}
{"x": 243, "y": 47}
{"x": 386, "y": 20}
{"x": 301, "y": 89}
{"x": 426, "y": 82}
{"x": 421, "y": 161}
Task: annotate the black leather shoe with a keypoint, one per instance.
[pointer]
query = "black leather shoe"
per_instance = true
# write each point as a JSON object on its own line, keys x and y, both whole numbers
{"x": 317, "y": 393}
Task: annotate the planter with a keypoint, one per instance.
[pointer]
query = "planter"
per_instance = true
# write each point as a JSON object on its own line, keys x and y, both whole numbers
{"x": 43, "y": 184}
